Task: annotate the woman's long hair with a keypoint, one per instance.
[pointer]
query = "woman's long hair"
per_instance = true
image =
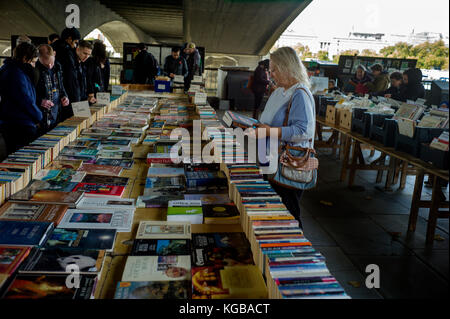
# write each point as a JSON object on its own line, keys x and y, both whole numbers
{"x": 289, "y": 63}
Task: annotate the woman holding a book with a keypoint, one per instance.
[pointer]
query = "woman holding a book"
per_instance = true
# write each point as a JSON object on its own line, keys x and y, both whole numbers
{"x": 291, "y": 77}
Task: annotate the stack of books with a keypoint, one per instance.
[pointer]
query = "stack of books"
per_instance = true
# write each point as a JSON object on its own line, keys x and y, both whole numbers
{"x": 293, "y": 269}
{"x": 159, "y": 266}
{"x": 64, "y": 207}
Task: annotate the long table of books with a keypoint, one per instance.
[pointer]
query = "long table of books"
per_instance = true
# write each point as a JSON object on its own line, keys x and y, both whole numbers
{"x": 96, "y": 209}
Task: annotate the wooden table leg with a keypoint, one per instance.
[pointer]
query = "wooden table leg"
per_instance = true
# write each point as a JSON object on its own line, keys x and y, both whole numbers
{"x": 380, "y": 161}
{"x": 355, "y": 156}
{"x": 390, "y": 174}
{"x": 434, "y": 210}
{"x": 347, "y": 147}
{"x": 415, "y": 204}
{"x": 403, "y": 175}
{"x": 319, "y": 132}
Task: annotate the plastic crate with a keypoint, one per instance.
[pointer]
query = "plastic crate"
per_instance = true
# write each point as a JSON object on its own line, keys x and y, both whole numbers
{"x": 382, "y": 129}
{"x": 163, "y": 86}
{"x": 361, "y": 122}
{"x": 437, "y": 158}
{"x": 412, "y": 145}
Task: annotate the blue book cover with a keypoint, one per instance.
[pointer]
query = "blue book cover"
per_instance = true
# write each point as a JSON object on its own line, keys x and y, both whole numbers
{"x": 24, "y": 233}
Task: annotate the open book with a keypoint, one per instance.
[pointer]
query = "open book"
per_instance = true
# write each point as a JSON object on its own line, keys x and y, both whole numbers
{"x": 232, "y": 119}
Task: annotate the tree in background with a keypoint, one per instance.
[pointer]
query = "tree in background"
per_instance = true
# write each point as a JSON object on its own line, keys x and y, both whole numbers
{"x": 322, "y": 56}
{"x": 345, "y": 52}
{"x": 303, "y": 51}
{"x": 429, "y": 55}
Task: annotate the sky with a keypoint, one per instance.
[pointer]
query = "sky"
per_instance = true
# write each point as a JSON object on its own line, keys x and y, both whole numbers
{"x": 339, "y": 17}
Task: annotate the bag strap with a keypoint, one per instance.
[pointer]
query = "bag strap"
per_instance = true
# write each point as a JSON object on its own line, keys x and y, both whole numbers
{"x": 288, "y": 110}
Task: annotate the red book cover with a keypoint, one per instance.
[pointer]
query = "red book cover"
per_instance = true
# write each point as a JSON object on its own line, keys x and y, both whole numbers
{"x": 101, "y": 190}
{"x": 11, "y": 257}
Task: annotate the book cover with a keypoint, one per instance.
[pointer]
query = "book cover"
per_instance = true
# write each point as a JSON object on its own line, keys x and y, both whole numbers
{"x": 56, "y": 260}
{"x": 100, "y": 190}
{"x": 100, "y": 239}
{"x": 194, "y": 215}
{"x": 163, "y": 230}
{"x": 161, "y": 247}
{"x": 120, "y": 220}
{"x": 11, "y": 257}
{"x": 32, "y": 212}
{"x": 114, "y": 162}
{"x": 221, "y": 249}
{"x": 165, "y": 172}
{"x": 105, "y": 180}
{"x": 209, "y": 199}
{"x": 157, "y": 199}
{"x": 24, "y": 233}
{"x": 49, "y": 286}
{"x": 88, "y": 202}
{"x": 241, "y": 282}
{"x": 221, "y": 214}
{"x": 101, "y": 170}
{"x": 153, "y": 290}
{"x": 157, "y": 268}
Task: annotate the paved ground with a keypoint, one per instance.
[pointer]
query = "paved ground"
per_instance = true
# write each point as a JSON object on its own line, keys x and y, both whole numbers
{"x": 370, "y": 227}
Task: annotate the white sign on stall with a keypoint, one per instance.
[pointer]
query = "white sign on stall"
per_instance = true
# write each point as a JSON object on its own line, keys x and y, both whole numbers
{"x": 103, "y": 98}
{"x": 81, "y": 109}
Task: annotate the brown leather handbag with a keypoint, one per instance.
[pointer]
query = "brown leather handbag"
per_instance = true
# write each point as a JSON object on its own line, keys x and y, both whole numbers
{"x": 298, "y": 166}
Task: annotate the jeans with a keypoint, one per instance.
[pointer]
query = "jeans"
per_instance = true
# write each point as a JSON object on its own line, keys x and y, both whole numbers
{"x": 291, "y": 199}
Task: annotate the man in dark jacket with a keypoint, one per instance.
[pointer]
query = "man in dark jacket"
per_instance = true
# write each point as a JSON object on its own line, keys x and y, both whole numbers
{"x": 97, "y": 68}
{"x": 50, "y": 92}
{"x": 175, "y": 64}
{"x": 193, "y": 60}
{"x": 19, "y": 114}
{"x": 145, "y": 66}
{"x": 74, "y": 72}
{"x": 260, "y": 84}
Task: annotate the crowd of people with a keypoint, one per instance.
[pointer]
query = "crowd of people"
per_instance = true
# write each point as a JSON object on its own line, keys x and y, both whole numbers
{"x": 39, "y": 84}
{"x": 398, "y": 86}
{"x": 185, "y": 61}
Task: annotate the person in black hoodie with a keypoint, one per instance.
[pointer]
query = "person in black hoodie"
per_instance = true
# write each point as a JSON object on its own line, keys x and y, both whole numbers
{"x": 19, "y": 114}
{"x": 145, "y": 66}
{"x": 50, "y": 92}
{"x": 413, "y": 88}
{"x": 97, "y": 68}
{"x": 260, "y": 84}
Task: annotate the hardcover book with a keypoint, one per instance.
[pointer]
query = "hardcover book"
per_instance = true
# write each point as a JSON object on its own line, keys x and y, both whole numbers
{"x": 161, "y": 247}
{"x": 100, "y": 190}
{"x": 84, "y": 239}
{"x": 120, "y": 220}
{"x": 11, "y": 257}
{"x": 221, "y": 214}
{"x": 157, "y": 268}
{"x": 153, "y": 290}
{"x": 33, "y": 212}
{"x": 24, "y": 233}
{"x": 163, "y": 230}
{"x": 49, "y": 286}
{"x": 88, "y": 202}
{"x": 56, "y": 260}
{"x": 101, "y": 170}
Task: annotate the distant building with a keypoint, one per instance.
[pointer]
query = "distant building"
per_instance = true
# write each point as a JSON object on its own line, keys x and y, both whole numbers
{"x": 357, "y": 41}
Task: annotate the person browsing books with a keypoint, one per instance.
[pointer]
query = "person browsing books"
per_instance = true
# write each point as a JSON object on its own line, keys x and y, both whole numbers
{"x": 290, "y": 75}
{"x": 357, "y": 83}
{"x": 175, "y": 64}
{"x": 19, "y": 114}
{"x": 381, "y": 80}
{"x": 50, "y": 91}
{"x": 396, "y": 86}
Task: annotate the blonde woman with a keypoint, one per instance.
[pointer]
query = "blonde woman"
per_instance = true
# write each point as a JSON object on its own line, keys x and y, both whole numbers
{"x": 290, "y": 75}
